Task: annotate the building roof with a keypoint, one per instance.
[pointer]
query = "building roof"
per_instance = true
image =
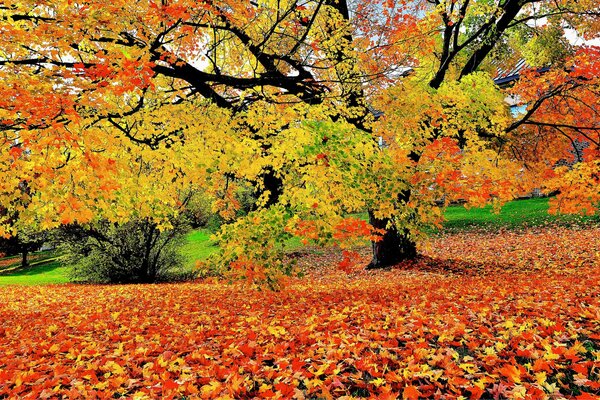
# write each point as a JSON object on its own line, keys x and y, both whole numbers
{"x": 505, "y": 77}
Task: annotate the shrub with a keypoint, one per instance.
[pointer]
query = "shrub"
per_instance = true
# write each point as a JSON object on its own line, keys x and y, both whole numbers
{"x": 199, "y": 207}
{"x": 134, "y": 252}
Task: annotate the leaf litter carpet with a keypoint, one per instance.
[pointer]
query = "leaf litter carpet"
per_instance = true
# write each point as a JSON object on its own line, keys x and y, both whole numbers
{"x": 508, "y": 315}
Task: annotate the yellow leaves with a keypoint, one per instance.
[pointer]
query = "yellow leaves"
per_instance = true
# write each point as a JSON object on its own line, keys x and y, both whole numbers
{"x": 550, "y": 353}
{"x": 210, "y": 390}
{"x": 377, "y": 382}
{"x": 51, "y": 330}
{"x": 54, "y": 348}
{"x": 140, "y": 396}
{"x": 519, "y": 392}
{"x": 578, "y": 188}
{"x": 277, "y": 331}
{"x": 548, "y": 46}
{"x": 114, "y": 368}
{"x": 468, "y": 367}
{"x": 540, "y": 377}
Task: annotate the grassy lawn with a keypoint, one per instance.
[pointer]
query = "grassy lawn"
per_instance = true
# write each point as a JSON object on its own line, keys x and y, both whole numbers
{"x": 514, "y": 214}
{"x": 45, "y": 273}
{"x": 198, "y": 246}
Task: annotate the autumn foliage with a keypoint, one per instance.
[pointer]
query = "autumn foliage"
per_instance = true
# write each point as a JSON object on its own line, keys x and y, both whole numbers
{"x": 112, "y": 110}
{"x": 510, "y": 315}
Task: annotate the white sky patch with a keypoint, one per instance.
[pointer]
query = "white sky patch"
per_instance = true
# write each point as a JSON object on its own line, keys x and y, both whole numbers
{"x": 575, "y": 39}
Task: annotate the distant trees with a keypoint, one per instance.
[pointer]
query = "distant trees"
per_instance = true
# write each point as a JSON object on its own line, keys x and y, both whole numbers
{"x": 22, "y": 244}
{"x": 23, "y": 241}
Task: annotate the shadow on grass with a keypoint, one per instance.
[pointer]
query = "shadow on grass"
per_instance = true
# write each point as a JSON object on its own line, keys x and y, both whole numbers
{"x": 44, "y": 267}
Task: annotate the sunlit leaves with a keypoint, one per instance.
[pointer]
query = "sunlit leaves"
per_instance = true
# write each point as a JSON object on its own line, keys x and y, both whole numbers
{"x": 559, "y": 144}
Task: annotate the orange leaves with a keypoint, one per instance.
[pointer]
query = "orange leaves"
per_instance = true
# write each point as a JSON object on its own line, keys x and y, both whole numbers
{"x": 442, "y": 148}
{"x": 349, "y": 260}
{"x": 563, "y": 131}
{"x": 411, "y": 393}
{"x": 351, "y": 227}
{"x": 512, "y": 372}
{"x": 15, "y": 152}
{"x": 483, "y": 316}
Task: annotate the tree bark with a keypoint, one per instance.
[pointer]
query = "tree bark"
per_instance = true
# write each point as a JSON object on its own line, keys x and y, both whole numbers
{"x": 394, "y": 247}
{"x": 273, "y": 184}
{"x": 24, "y": 253}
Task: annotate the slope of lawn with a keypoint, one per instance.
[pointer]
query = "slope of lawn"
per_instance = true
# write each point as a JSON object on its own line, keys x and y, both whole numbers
{"x": 514, "y": 214}
{"x": 198, "y": 246}
{"x": 480, "y": 315}
{"x": 38, "y": 274}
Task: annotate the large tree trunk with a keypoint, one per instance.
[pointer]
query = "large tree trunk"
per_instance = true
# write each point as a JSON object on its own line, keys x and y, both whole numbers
{"x": 394, "y": 247}
{"x": 273, "y": 184}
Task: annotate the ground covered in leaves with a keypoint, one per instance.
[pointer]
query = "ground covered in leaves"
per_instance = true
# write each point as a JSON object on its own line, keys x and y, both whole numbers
{"x": 492, "y": 316}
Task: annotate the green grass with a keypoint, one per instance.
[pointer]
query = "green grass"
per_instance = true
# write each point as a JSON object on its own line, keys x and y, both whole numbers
{"x": 198, "y": 246}
{"x": 514, "y": 214}
{"x": 39, "y": 274}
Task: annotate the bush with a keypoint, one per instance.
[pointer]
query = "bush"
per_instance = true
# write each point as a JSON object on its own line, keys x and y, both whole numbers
{"x": 134, "y": 252}
{"x": 199, "y": 207}
{"x": 198, "y": 210}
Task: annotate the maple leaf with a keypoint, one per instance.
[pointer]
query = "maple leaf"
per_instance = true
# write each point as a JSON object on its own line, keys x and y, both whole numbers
{"x": 285, "y": 389}
{"x": 410, "y": 393}
{"x": 511, "y": 372}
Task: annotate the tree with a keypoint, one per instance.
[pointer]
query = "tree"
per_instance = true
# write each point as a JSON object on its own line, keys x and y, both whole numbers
{"x": 226, "y": 85}
{"x": 25, "y": 239}
{"x": 22, "y": 244}
{"x": 478, "y": 36}
{"x": 568, "y": 125}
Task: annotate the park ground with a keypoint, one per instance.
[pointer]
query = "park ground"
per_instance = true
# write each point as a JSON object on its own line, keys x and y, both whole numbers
{"x": 497, "y": 307}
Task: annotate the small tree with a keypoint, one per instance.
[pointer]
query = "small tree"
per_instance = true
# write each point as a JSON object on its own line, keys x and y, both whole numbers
{"x": 24, "y": 240}
{"x": 133, "y": 252}
{"x": 201, "y": 213}
{"x": 21, "y": 245}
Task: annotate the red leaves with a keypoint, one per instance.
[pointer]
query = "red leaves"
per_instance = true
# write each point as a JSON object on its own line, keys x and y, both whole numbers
{"x": 16, "y": 151}
{"x": 348, "y": 260}
{"x": 285, "y": 389}
{"x": 486, "y": 315}
{"x": 324, "y": 158}
{"x": 476, "y": 392}
{"x": 297, "y": 365}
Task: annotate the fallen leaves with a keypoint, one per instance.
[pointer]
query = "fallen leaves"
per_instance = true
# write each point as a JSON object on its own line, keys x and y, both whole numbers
{"x": 515, "y": 315}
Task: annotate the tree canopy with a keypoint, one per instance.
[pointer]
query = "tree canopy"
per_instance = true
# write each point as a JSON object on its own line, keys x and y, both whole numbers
{"x": 114, "y": 108}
